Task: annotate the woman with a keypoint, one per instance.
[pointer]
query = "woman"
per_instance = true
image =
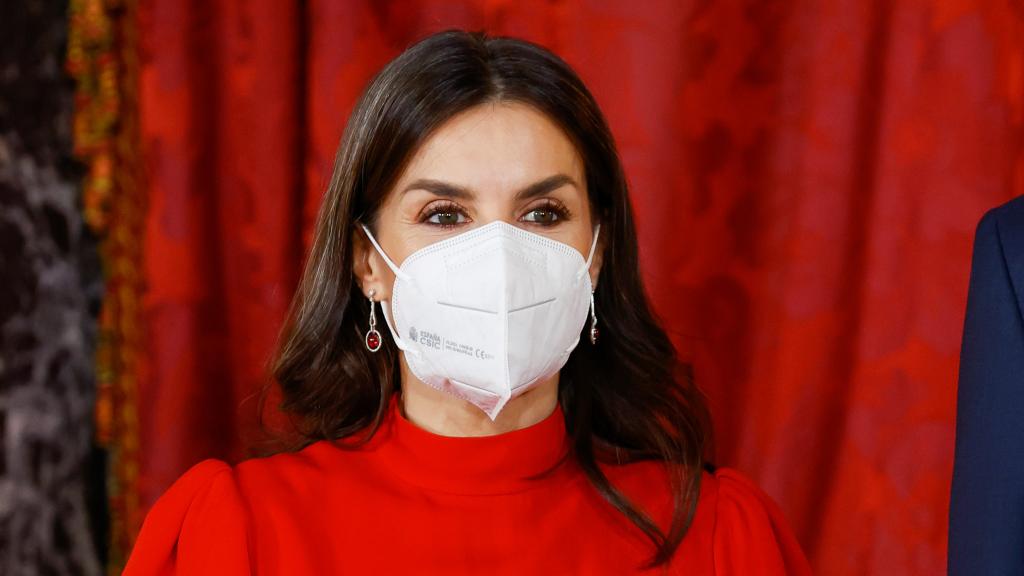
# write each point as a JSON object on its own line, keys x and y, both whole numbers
{"x": 477, "y": 207}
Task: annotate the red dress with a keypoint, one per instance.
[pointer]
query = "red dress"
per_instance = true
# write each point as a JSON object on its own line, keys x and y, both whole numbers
{"x": 413, "y": 502}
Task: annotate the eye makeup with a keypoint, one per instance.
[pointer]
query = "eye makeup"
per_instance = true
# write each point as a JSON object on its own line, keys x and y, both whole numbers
{"x": 446, "y": 214}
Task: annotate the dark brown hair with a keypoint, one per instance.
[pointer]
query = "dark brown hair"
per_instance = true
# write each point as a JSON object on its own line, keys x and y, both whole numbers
{"x": 626, "y": 399}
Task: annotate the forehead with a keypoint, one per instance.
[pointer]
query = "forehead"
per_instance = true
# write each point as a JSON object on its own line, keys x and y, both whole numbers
{"x": 495, "y": 146}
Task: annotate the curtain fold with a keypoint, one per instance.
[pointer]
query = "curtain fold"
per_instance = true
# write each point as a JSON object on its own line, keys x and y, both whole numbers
{"x": 224, "y": 135}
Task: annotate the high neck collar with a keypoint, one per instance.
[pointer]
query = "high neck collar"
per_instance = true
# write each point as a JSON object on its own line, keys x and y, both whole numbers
{"x": 497, "y": 464}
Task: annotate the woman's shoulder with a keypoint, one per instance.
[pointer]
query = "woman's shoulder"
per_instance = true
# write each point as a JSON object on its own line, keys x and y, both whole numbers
{"x": 737, "y": 527}
{"x": 196, "y": 525}
{"x": 750, "y": 533}
{"x": 202, "y": 519}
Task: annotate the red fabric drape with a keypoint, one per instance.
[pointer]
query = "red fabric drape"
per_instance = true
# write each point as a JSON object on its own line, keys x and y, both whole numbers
{"x": 806, "y": 177}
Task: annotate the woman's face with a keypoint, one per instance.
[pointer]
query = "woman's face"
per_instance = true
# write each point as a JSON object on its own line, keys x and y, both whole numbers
{"x": 496, "y": 161}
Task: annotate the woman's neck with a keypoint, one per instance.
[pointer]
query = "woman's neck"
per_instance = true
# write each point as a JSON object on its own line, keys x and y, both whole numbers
{"x": 447, "y": 415}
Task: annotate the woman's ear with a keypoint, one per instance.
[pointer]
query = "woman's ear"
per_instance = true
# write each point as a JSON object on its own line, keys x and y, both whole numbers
{"x": 368, "y": 267}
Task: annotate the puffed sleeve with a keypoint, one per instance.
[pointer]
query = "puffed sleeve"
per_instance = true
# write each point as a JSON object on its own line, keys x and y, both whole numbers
{"x": 196, "y": 527}
{"x": 751, "y": 535}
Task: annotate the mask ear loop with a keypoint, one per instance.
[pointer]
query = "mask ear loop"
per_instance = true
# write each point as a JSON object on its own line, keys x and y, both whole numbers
{"x": 590, "y": 257}
{"x": 384, "y": 304}
{"x": 586, "y": 270}
{"x": 394, "y": 267}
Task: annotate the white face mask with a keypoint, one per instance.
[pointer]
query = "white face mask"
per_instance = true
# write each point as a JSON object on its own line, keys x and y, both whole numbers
{"x": 489, "y": 313}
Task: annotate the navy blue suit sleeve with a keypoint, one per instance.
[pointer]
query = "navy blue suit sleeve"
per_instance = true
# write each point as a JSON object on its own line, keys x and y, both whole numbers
{"x": 986, "y": 531}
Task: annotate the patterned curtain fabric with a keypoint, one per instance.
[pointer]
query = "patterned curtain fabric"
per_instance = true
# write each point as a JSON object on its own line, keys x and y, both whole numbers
{"x": 806, "y": 175}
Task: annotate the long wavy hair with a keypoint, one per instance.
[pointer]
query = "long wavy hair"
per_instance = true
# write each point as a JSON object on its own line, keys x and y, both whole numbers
{"x": 626, "y": 399}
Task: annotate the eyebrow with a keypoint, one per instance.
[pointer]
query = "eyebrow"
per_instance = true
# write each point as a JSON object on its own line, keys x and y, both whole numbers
{"x": 450, "y": 190}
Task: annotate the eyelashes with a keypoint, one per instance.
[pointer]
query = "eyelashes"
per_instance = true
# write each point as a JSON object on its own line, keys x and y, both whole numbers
{"x": 446, "y": 214}
{"x": 550, "y": 212}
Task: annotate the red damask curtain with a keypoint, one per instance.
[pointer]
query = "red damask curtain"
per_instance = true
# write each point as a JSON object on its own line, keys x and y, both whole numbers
{"x": 807, "y": 176}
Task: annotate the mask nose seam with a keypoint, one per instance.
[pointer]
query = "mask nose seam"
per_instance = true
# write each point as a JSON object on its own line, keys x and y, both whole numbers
{"x": 504, "y": 329}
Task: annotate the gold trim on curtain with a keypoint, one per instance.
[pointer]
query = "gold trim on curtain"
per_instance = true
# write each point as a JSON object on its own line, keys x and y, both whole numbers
{"x": 102, "y": 57}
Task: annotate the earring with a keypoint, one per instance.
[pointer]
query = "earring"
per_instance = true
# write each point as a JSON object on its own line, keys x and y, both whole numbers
{"x": 593, "y": 322}
{"x": 372, "y": 336}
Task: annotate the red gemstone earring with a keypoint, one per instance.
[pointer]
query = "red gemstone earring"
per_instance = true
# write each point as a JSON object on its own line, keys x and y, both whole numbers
{"x": 372, "y": 336}
{"x": 593, "y": 322}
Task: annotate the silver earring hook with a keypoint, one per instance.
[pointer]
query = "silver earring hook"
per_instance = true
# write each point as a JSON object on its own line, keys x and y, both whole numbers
{"x": 373, "y": 309}
{"x": 372, "y": 339}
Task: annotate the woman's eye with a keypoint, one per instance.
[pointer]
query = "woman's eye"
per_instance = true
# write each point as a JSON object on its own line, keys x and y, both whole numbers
{"x": 446, "y": 218}
{"x": 542, "y": 216}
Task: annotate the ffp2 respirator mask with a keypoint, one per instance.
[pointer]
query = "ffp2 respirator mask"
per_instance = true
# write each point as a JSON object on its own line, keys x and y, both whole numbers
{"x": 488, "y": 313}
